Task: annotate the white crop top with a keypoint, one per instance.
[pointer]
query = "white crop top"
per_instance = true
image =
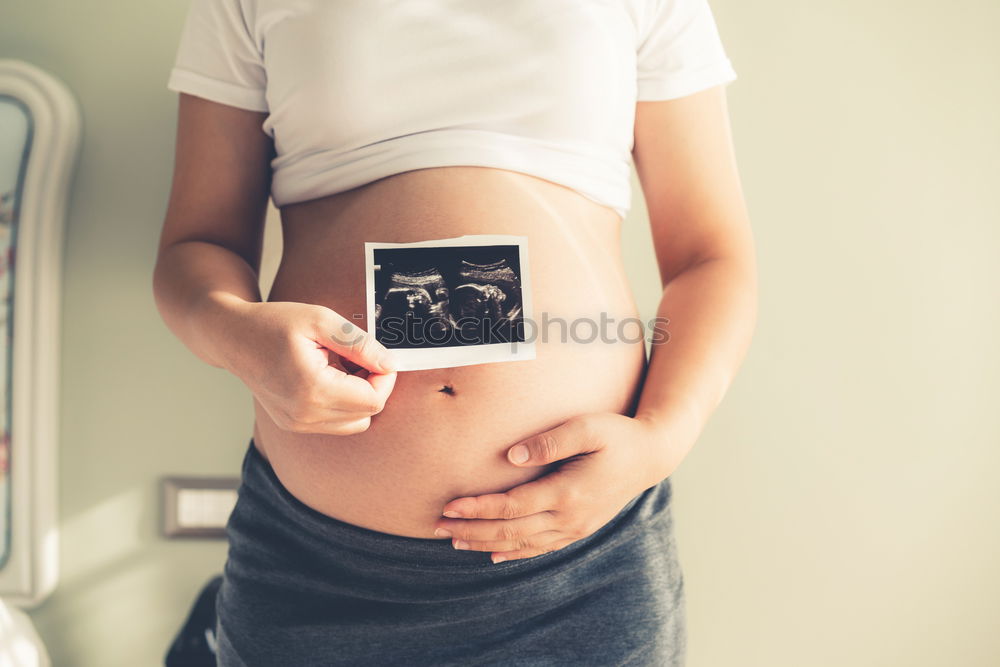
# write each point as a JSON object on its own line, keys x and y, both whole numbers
{"x": 357, "y": 90}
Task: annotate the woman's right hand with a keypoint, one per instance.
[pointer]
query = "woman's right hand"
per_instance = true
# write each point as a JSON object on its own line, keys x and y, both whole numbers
{"x": 311, "y": 369}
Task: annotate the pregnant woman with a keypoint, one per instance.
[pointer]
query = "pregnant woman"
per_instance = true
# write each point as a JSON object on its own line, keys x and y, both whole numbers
{"x": 510, "y": 513}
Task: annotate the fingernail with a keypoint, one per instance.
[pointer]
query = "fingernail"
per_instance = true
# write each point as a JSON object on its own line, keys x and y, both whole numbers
{"x": 441, "y": 532}
{"x": 461, "y": 544}
{"x": 452, "y": 514}
{"x": 498, "y": 559}
{"x": 518, "y": 454}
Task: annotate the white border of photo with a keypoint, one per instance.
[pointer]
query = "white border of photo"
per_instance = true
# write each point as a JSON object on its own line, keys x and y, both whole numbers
{"x": 416, "y": 359}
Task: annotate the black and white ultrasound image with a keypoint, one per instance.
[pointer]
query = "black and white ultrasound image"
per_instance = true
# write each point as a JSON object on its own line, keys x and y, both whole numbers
{"x": 448, "y": 296}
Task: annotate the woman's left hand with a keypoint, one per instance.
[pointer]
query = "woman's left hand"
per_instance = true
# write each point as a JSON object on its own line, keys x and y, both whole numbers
{"x": 606, "y": 460}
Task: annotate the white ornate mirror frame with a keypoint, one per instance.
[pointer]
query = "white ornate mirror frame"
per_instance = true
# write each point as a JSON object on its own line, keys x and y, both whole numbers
{"x": 30, "y": 570}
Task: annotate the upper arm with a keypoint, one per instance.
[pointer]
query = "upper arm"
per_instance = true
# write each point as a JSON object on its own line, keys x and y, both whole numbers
{"x": 222, "y": 172}
{"x": 683, "y": 150}
{"x": 222, "y": 176}
{"x": 686, "y": 164}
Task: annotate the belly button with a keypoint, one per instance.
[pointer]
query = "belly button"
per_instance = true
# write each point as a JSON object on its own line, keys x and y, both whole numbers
{"x": 447, "y": 389}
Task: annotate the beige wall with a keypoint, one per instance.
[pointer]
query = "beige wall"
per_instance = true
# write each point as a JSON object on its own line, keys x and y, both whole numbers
{"x": 841, "y": 509}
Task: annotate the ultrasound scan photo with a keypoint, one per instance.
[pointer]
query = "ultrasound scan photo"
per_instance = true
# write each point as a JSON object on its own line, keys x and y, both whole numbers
{"x": 450, "y": 302}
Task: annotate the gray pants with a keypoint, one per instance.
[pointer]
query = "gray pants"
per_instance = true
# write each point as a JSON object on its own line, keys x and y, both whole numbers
{"x": 302, "y": 588}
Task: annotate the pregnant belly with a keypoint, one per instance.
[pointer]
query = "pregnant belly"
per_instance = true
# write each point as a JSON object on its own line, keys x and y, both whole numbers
{"x": 444, "y": 433}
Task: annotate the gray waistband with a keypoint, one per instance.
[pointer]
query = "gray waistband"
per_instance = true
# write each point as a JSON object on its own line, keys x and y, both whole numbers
{"x": 274, "y": 509}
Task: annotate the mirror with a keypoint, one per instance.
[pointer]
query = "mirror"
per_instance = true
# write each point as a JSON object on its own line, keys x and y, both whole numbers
{"x": 15, "y": 135}
{"x": 39, "y": 142}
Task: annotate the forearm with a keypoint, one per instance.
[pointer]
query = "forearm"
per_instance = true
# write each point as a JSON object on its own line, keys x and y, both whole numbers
{"x": 198, "y": 287}
{"x": 710, "y": 310}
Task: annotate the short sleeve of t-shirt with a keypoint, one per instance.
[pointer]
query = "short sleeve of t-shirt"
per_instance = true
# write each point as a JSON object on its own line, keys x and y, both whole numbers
{"x": 218, "y": 58}
{"x": 680, "y": 51}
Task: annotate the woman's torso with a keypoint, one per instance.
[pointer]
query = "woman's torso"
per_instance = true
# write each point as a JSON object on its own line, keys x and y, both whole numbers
{"x": 428, "y": 447}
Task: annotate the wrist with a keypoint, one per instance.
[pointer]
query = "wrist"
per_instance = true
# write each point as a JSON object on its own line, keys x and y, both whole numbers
{"x": 668, "y": 438}
{"x": 216, "y": 316}
{"x": 656, "y": 444}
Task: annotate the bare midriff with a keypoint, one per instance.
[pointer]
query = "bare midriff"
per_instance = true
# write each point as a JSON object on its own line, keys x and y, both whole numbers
{"x": 444, "y": 433}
